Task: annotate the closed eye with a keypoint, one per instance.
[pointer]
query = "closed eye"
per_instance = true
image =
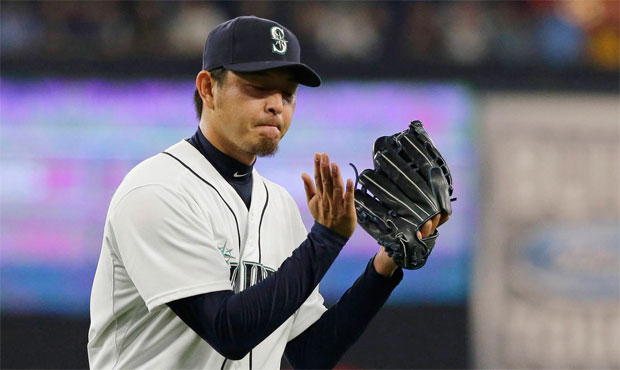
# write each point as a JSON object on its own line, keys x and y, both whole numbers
{"x": 289, "y": 97}
{"x": 257, "y": 90}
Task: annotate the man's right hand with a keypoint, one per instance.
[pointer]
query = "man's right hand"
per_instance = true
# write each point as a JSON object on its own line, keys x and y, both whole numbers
{"x": 328, "y": 202}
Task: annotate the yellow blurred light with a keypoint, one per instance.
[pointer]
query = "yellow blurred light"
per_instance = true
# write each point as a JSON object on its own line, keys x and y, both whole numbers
{"x": 604, "y": 47}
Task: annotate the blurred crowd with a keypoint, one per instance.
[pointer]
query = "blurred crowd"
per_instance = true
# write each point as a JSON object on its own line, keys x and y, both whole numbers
{"x": 554, "y": 34}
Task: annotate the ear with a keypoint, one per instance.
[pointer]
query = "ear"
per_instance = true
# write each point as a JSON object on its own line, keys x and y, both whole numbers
{"x": 205, "y": 85}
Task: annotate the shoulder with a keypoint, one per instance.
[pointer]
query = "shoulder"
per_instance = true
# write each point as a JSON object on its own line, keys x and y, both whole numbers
{"x": 180, "y": 170}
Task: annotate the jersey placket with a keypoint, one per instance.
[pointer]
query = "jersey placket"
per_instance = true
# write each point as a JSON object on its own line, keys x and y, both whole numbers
{"x": 249, "y": 258}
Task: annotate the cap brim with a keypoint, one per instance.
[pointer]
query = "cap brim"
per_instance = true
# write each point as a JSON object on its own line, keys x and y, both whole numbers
{"x": 303, "y": 74}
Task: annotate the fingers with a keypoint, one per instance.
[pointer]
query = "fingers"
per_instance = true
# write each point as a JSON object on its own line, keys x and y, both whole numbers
{"x": 435, "y": 221}
{"x": 317, "y": 173}
{"x": 444, "y": 218}
{"x": 426, "y": 229}
{"x": 337, "y": 183}
{"x": 308, "y": 186}
{"x": 329, "y": 185}
{"x": 326, "y": 177}
{"x": 429, "y": 227}
{"x": 349, "y": 199}
{"x": 330, "y": 203}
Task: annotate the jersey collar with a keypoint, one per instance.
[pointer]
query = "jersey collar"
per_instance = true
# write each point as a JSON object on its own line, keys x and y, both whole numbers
{"x": 228, "y": 167}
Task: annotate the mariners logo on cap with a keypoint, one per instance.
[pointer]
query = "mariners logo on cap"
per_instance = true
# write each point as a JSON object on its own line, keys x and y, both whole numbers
{"x": 279, "y": 45}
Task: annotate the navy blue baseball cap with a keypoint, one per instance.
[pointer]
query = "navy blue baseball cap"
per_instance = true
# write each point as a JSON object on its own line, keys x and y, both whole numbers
{"x": 252, "y": 44}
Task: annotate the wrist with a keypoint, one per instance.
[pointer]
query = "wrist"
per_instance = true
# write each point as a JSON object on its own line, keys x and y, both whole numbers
{"x": 324, "y": 232}
{"x": 384, "y": 264}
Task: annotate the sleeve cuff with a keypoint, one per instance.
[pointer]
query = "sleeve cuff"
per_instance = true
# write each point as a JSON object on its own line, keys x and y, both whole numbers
{"x": 324, "y": 233}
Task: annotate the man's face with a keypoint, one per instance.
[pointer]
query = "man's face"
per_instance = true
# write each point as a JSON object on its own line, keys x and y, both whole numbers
{"x": 253, "y": 111}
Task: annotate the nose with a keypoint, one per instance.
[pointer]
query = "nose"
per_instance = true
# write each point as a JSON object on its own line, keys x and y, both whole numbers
{"x": 274, "y": 104}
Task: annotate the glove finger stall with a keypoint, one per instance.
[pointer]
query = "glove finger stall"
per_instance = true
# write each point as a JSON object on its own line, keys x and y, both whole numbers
{"x": 414, "y": 152}
{"x": 406, "y": 179}
{"x": 393, "y": 198}
{"x": 441, "y": 190}
{"x": 416, "y": 140}
{"x": 371, "y": 214}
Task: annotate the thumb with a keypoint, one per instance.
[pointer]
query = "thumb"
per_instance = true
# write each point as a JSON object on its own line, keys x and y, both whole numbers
{"x": 308, "y": 186}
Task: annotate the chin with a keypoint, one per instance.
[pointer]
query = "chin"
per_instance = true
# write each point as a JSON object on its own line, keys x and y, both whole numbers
{"x": 265, "y": 147}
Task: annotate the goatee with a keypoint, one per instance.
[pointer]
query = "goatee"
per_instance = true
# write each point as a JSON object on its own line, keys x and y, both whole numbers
{"x": 265, "y": 147}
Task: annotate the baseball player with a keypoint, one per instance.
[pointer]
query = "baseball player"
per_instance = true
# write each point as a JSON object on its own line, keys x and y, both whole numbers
{"x": 207, "y": 264}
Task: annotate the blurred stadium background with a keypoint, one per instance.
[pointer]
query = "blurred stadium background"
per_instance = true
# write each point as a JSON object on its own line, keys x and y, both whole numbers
{"x": 521, "y": 96}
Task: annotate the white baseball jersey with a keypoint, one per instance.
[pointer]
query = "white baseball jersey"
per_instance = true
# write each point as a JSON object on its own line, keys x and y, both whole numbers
{"x": 175, "y": 228}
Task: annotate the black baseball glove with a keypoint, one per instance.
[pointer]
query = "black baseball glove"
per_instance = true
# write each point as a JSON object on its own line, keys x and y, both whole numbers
{"x": 409, "y": 185}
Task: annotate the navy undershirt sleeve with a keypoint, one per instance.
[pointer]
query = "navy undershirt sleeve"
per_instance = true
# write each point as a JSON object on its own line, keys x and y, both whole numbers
{"x": 324, "y": 342}
{"x": 233, "y": 324}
